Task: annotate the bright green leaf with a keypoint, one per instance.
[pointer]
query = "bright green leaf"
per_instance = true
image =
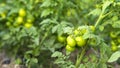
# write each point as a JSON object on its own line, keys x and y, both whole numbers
{"x": 114, "y": 56}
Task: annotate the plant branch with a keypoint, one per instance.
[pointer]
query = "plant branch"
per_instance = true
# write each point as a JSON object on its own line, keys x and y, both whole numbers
{"x": 80, "y": 57}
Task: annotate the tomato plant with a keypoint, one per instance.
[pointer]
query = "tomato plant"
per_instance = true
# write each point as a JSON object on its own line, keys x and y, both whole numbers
{"x": 71, "y": 33}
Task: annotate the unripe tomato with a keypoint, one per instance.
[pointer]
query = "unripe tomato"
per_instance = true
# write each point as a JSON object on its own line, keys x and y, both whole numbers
{"x": 92, "y": 28}
{"x": 118, "y": 39}
{"x": 61, "y": 38}
{"x": 112, "y": 35}
{"x": 69, "y": 48}
{"x": 83, "y": 31}
{"x": 114, "y": 48}
{"x": 113, "y": 43}
{"x": 68, "y": 13}
{"x": 70, "y": 41}
{"x": 76, "y": 32}
{"x": 19, "y": 20}
{"x": 28, "y": 25}
{"x": 80, "y": 41}
{"x": 29, "y": 20}
{"x": 3, "y": 15}
{"x": 22, "y": 12}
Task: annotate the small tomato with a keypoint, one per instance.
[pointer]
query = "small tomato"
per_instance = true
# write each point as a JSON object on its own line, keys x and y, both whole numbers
{"x": 71, "y": 41}
{"x": 113, "y": 35}
{"x": 19, "y": 20}
{"x": 22, "y": 12}
{"x": 80, "y": 41}
{"x": 61, "y": 38}
{"x": 69, "y": 48}
{"x": 28, "y": 25}
{"x": 114, "y": 48}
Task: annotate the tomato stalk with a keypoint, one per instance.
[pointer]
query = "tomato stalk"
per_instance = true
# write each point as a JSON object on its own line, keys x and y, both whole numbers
{"x": 80, "y": 57}
{"x": 101, "y": 16}
{"x": 99, "y": 19}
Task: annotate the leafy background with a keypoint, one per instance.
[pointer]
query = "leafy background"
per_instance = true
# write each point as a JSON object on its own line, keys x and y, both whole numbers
{"x": 38, "y": 44}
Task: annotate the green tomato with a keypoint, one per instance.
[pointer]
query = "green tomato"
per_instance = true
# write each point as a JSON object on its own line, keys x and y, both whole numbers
{"x": 112, "y": 42}
{"x": 83, "y": 31}
{"x": 80, "y": 41}
{"x": 76, "y": 32}
{"x": 69, "y": 48}
{"x": 118, "y": 40}
{"x": 70, "y": 41}
{"x": 114, "y": 48}
{"x": 3, "y": 15}
{"x": 22, "y": 12}
{"x": 28, "y": 25}
{"x": 61, "y": 38}
{"x": 19, "y": 20}
{"x": 112, "y": 35}
{"x": 92, "y": 28}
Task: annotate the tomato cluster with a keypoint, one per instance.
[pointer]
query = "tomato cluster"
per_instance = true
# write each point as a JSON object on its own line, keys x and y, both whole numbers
{"x": 75, "y": 39}
{"x": 115, "y": 41}
{"x": 20, "y": 19}
{"x": 17, "y": 19}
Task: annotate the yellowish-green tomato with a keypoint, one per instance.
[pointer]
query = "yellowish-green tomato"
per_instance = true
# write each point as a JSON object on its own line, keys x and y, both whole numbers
{"x": 92, "y": 28}
{"x": 80, "y": 41}
{"x": 71, "y": 41}
{"x": 22, "y": 12}
{"x": 112, "y": 35}
{"x": 69, "y": 48}
{"x": 112, "y": 42}
{"x": 76, "y": 32}
{"x": 118, "y": 39}
{"x": 83, "y": 31}
{"x": 61, "y": 38}
{"x": 29, "y": 20}
{"x": 3, "y": 15}
{"x": 28, "y": 25}
{"x": 19, "y": 20}
{"x": 114, "y": 48}
{"x": 68, "y": 13}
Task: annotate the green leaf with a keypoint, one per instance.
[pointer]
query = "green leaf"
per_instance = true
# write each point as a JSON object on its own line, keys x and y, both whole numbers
{"x": 68, "y": 30}
{"x": 116, "y": 24}
{"x": 54, "y": 29}
{"x": 105, "y": 5}
{"x": 56, "y": 54}
{"x": 34, "y": 60}
{"x": 29, "y": 52}
{"x": 114, "y": 56}
{"x": 18, "y": 61}
{"x": 95, "y": 12}
{"x": 82, "y": 66}
{"x": 46, "y": 12}
{"x": 46, "y": 3}
{"x": 6, "y": 36}
{"x": 45, "y": 21}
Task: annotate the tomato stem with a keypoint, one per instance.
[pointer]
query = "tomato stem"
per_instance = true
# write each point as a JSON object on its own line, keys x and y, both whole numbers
{"x": 99, "y": 19}
{"x": 80, "y": 57}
